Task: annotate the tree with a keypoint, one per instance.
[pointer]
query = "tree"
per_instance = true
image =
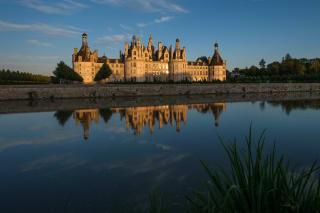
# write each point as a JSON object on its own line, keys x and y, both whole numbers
{"x": 262, "y": 64}
{"x": 103, "y": 73}
{"x": 63, "y": 71}
{"x": 62, "y": 116}
{"x": 315, "y": 67}
{"x": 105, "y": 114}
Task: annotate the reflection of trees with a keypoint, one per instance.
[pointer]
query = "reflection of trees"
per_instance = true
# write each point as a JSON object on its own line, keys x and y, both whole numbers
{"x": 106, "y": 114}
{"x": 288, "y": 106}
{"x": 62, "y": 116}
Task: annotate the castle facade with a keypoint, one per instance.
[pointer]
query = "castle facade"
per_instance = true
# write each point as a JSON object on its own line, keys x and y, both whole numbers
{"x": 145, "y": 63}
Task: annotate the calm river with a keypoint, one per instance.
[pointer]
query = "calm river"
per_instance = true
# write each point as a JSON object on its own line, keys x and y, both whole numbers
{"x": 111, "y": 159}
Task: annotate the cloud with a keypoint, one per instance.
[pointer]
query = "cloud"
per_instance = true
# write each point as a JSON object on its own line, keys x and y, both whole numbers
{"x": 42, "y": 28}
{"x": 40, "y": 141}
{"x": 163, "y": 147}
{"x": 156, "y": 21}
{"x": 111, "y": 38}
{"x": 142, "y": 25}
{"x": 46, "y": 58}
{"x": 39, "y": 43}
{"x": 65, "y": 7}
{"x": 125, "y": 27}
{"x": 146, "y": 5}
{"x": 163, "y": 19}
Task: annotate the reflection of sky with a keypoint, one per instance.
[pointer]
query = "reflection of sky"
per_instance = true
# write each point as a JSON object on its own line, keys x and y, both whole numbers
{"x": 42, "y": 163}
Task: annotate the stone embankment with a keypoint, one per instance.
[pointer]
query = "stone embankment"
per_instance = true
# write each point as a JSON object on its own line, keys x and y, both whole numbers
{"x": 51, "y": 92}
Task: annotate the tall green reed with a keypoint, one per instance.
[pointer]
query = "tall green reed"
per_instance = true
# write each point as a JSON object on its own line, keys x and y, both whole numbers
{"x": 257, "y": 182}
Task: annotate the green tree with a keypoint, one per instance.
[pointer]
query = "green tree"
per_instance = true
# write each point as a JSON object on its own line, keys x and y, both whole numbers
{"x": 315, "y": 66}
{"x": 63, "y": 71}
{"x": 63, "y": 116}
{"x": 262, "y": 64}
{"x": 103, "y": 73}
{"x": 105, "y": 114}
{"x": 274, "y": 68}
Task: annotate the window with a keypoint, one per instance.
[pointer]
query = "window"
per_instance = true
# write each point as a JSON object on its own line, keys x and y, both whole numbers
{"x": 134, "y": 64}
{"x": 134, "y": 52}
{"x": 146, "y": 55}
{"x": 147, "y": 66}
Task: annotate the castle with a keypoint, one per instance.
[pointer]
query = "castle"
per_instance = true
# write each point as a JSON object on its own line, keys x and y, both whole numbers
{"x": 139, "y": 63}
{"x": 137, "y": 118}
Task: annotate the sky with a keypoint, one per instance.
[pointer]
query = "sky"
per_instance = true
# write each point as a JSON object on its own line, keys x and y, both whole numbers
{"x": 36, "y": 34}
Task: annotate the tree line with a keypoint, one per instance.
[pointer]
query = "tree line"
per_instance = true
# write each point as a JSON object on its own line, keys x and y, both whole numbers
{"x": 8, "y": 77}
{"x": 289, "y": 69}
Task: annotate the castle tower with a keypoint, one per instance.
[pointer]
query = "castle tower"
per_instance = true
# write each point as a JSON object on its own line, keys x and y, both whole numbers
{"x": 84, "y": 40}
{"x": 217, "y": 60}
{"x": 177, "y": 43}
{"x": 217, "y": 67}
{"x": 150, "y": 43}
{"x": 159, "y": 50}
{"x": 134, "y": 41}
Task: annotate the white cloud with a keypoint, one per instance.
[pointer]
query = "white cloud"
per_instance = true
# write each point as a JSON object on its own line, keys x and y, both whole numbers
{"x": 146, "y": 5}
{"x": 46, "y": 58}
{"x": 125, "y": 27}
{"x": 42, "y": 28}
{"x": 156, "y": 21}
{"x": 39, "y": 43}
{"x": 163, "y": 19}
{"x": 142, "y": 25}
{"x": 111, "y": 38}
{"x": 65, "y": 7}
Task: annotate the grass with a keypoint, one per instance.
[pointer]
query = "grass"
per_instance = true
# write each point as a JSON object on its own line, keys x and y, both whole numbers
{"x": 257, "y": 182}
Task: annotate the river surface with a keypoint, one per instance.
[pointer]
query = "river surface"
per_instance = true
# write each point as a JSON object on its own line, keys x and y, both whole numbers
{"x": 110, "y": 160}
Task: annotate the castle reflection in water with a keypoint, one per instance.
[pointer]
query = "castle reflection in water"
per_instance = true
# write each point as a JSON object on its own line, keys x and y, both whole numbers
{"x": 137, "y": 118}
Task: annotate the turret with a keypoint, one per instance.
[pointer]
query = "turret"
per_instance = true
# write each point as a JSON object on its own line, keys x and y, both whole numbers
{"x": 126, "y": 49}
{"x": 159, "y": 50}
{"x": 134, "y": 41}
{"x": 84, "y": 40}
{"x": 150, "y": 43}
{"x": 184, "y": 53}
{"x": 177, "y": 44}
{"x": 216, "y": 60}
{"x": 139, "y": 42}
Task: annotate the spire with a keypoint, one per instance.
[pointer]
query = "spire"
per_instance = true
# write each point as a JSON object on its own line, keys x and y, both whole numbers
{"x": 150, "y": 44}
{"x": 84, "y": 40}
{"x": 216, "y": 60}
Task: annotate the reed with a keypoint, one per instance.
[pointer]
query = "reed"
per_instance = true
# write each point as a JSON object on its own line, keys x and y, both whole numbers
{"x": 258, "y": 182}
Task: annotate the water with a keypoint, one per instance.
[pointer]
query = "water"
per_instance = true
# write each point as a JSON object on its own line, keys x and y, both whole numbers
{"x": 110, "y": 160}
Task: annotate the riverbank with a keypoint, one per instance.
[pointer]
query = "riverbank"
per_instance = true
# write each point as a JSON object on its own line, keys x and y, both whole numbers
{"x": 48, "y": 105}
{"x": 51, "y": 92}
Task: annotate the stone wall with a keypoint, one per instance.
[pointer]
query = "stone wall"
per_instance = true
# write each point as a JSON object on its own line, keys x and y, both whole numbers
{"x": 36, "y": 92}
{"x": 45, "y": 105}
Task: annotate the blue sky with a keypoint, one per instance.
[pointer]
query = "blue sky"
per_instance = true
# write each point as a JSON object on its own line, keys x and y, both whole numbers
{"x": 36, "y": 34}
